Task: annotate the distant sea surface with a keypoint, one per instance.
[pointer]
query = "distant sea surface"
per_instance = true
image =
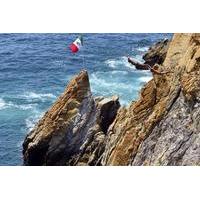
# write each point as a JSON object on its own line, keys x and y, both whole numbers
{"x": 35, "y": 69}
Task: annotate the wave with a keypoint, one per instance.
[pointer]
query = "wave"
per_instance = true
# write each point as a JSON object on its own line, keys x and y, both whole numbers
{"x": 25, "y": 107}
{"x": 124, "y": 83}
{"x": 33, "y": 119}
{"x": 30, "y": 96}
{"x": 122, "y": 63}
{"x": 2, "y": 104}
{"x": 104, "y": 84}
{"x": 117, "y": 63}
{"x": 139, "y": 58}
{"x": 145, "y": 79}
{"x": 109, "y": 84}
{"x": 143, "y": 49}
{"x": 6, "y": 105}
{"x": 119, "y": 72}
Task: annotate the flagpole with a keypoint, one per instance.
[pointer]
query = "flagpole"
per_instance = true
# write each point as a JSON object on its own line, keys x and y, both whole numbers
{"x": 83, "y": 58}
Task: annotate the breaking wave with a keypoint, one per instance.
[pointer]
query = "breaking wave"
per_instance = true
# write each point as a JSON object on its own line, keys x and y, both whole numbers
{"x": 138, "y": 58}
{"x": 145, "y": 79}
{"x": 2, "y": 104}
{"x": 37, "y": 96}
{"x": 33, "y": 119}
{"x": 122, "y": 63}
{"x": 25, "y": 107}
{"x": 7, "y": 105}
{"x": 117, "y": 63}
{"x": 143, "y": 49}
{"x": 109, "y": 83}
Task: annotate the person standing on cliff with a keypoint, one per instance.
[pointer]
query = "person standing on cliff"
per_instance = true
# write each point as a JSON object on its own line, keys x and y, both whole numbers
{"x": 141, "y": 66}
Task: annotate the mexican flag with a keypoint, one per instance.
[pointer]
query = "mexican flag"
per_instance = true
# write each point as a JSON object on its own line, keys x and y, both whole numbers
{"x": 76, "y": 45}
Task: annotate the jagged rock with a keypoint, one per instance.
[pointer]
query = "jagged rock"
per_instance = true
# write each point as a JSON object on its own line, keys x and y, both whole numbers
{"x": 162, "y": 127}
{"x": 157, "y": 53}
{"x": 73, "y": 130}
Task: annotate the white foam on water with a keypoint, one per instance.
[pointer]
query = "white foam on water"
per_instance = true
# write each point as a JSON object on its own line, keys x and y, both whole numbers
{"x": 19, "y": 144}
{"x": 33, "y": 119}
{"x": 118, "y": 63}
{"x": 111, "y": 63}
{"x": 2, "y": 104}
{"x": 38, "y": 96}
{"x": 6, "y": 105}
{"x": 123, "y": 102}
{"x": 145, "y": 79}
{"x": 107, "y": 83}
{"x": 139, "y": 58}
{"x": 143, "y": 49}
{"x": 119, "y": 72}
{"x": 30, "y": 123}
{"x": 25, "y": 107}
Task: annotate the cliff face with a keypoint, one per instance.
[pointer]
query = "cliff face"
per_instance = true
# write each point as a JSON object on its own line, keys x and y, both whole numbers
{"x": 161, "y": 128}
{"x": 73, "y": 130}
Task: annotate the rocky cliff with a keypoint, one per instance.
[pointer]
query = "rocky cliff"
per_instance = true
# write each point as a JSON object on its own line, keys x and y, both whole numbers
{"x": 161, "y": 128}
{"x": 73, "y": 130}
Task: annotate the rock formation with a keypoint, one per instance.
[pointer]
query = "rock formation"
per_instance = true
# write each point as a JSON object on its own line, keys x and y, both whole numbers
{"x": 73, "y": 130}
{"x": 157, "y": 53}
{"x": 161, "y": 128}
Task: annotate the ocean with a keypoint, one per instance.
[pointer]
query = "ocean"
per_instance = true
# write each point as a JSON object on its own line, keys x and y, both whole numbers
{"x": 35, "y": 69}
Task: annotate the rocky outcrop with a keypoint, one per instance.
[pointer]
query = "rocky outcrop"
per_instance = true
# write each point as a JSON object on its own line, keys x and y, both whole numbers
{"x": 157, "y": 53}
{"x": 73, "y": 130}
{"x": 162, "y": 127}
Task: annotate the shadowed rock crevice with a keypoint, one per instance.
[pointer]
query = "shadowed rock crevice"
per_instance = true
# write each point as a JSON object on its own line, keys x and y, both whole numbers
{"x": 108, "y": 112}
{"x": 157, "y": 53}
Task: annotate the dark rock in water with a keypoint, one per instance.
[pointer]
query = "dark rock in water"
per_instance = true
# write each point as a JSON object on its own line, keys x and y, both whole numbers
{"x": 157, "y": 53}
{"x": 73, "y": 130}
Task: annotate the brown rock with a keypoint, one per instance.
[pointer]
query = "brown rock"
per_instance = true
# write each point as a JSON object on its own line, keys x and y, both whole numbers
{"x": 162, "y": 127}
{"x": 72, "y": 131}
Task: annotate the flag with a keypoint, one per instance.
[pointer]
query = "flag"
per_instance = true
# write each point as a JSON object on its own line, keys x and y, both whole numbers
{"x": 76, "y": 45}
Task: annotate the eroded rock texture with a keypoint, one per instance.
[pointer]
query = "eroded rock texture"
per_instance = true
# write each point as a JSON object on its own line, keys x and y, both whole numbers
{"x": 162, "y": 127}
{"x": 73, "y": 130}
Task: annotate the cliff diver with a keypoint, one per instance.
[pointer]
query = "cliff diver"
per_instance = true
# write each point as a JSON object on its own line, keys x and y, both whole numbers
{"x": 142, "y": 66}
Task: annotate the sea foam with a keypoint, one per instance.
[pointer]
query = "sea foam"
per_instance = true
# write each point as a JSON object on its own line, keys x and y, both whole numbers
{"x": 2, "y": 104}
{"x": 143, "y": 49}
{"x": 33, "y": 119}
{"x": 30, "y": 96}
{"x": 11, "y": 105}
{"x": 145, "y": 79}
{"x": 118, "y": 63}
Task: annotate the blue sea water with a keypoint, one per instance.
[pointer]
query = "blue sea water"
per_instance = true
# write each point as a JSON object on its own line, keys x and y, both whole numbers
{"x": 35, "y": 69}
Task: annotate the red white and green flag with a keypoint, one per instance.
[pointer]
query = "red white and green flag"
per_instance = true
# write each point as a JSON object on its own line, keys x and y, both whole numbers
{"x": 76, "y": 45}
